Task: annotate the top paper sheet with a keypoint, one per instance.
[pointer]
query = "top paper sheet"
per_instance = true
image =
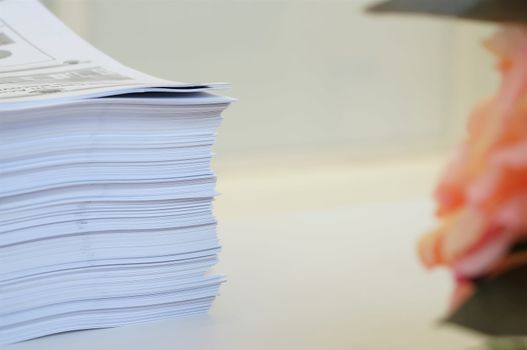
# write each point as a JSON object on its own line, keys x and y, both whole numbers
{"x": 43, "y": 62}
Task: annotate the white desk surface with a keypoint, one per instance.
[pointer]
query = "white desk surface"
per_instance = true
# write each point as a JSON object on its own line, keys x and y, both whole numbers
{"x": 317, "y": 257}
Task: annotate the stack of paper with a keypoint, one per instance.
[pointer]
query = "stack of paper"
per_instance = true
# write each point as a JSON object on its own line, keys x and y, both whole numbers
{"x": 105, "y": 185}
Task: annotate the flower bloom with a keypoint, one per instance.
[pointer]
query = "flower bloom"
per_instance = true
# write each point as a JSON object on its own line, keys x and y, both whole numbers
{"x": 482, "y": 196}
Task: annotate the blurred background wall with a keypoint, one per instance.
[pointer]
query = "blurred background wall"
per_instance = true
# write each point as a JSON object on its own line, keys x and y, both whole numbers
{"x": 312, "y": 77}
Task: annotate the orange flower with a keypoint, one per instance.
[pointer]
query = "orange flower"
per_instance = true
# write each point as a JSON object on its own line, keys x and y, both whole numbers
{"x": 482, "y": 197}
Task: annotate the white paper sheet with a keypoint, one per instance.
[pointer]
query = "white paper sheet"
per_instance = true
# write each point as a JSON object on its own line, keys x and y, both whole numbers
{"x": 43, "y": 61}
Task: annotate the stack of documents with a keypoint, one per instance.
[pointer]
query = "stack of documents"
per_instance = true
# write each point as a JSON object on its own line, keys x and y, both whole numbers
{"x": 105, "y": 185}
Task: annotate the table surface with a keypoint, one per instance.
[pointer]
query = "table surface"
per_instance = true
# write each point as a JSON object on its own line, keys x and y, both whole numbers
{"x": 317, "y": 257}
